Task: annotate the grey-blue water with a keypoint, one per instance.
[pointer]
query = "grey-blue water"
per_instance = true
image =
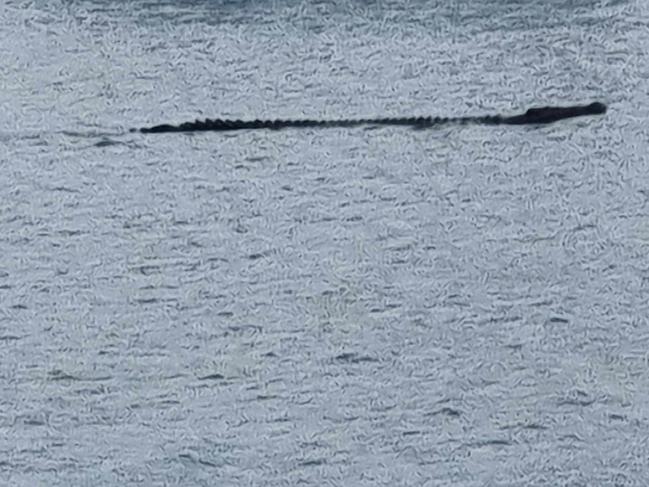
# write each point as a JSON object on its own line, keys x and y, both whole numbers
{"x": 459, "y": 306}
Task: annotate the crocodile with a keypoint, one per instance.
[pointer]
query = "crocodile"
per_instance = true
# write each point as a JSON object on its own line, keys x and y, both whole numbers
{"x": 533, "y": 116}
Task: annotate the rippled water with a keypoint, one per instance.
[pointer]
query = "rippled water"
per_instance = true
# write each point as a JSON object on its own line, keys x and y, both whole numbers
{"x": 456, "y": 306}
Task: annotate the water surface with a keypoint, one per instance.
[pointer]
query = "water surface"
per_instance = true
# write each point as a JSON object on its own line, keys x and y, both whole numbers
{"x": 456, "y": 306}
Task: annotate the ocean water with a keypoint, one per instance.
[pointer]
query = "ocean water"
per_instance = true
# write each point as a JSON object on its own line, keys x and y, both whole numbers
{"x": 461, "y": 306}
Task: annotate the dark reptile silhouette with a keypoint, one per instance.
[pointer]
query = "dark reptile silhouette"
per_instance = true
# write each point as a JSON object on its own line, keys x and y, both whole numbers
{"x": 533, "y": 116}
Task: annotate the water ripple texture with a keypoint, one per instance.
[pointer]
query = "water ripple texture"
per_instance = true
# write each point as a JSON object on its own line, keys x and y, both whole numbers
{"x": 458, "y": 305}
